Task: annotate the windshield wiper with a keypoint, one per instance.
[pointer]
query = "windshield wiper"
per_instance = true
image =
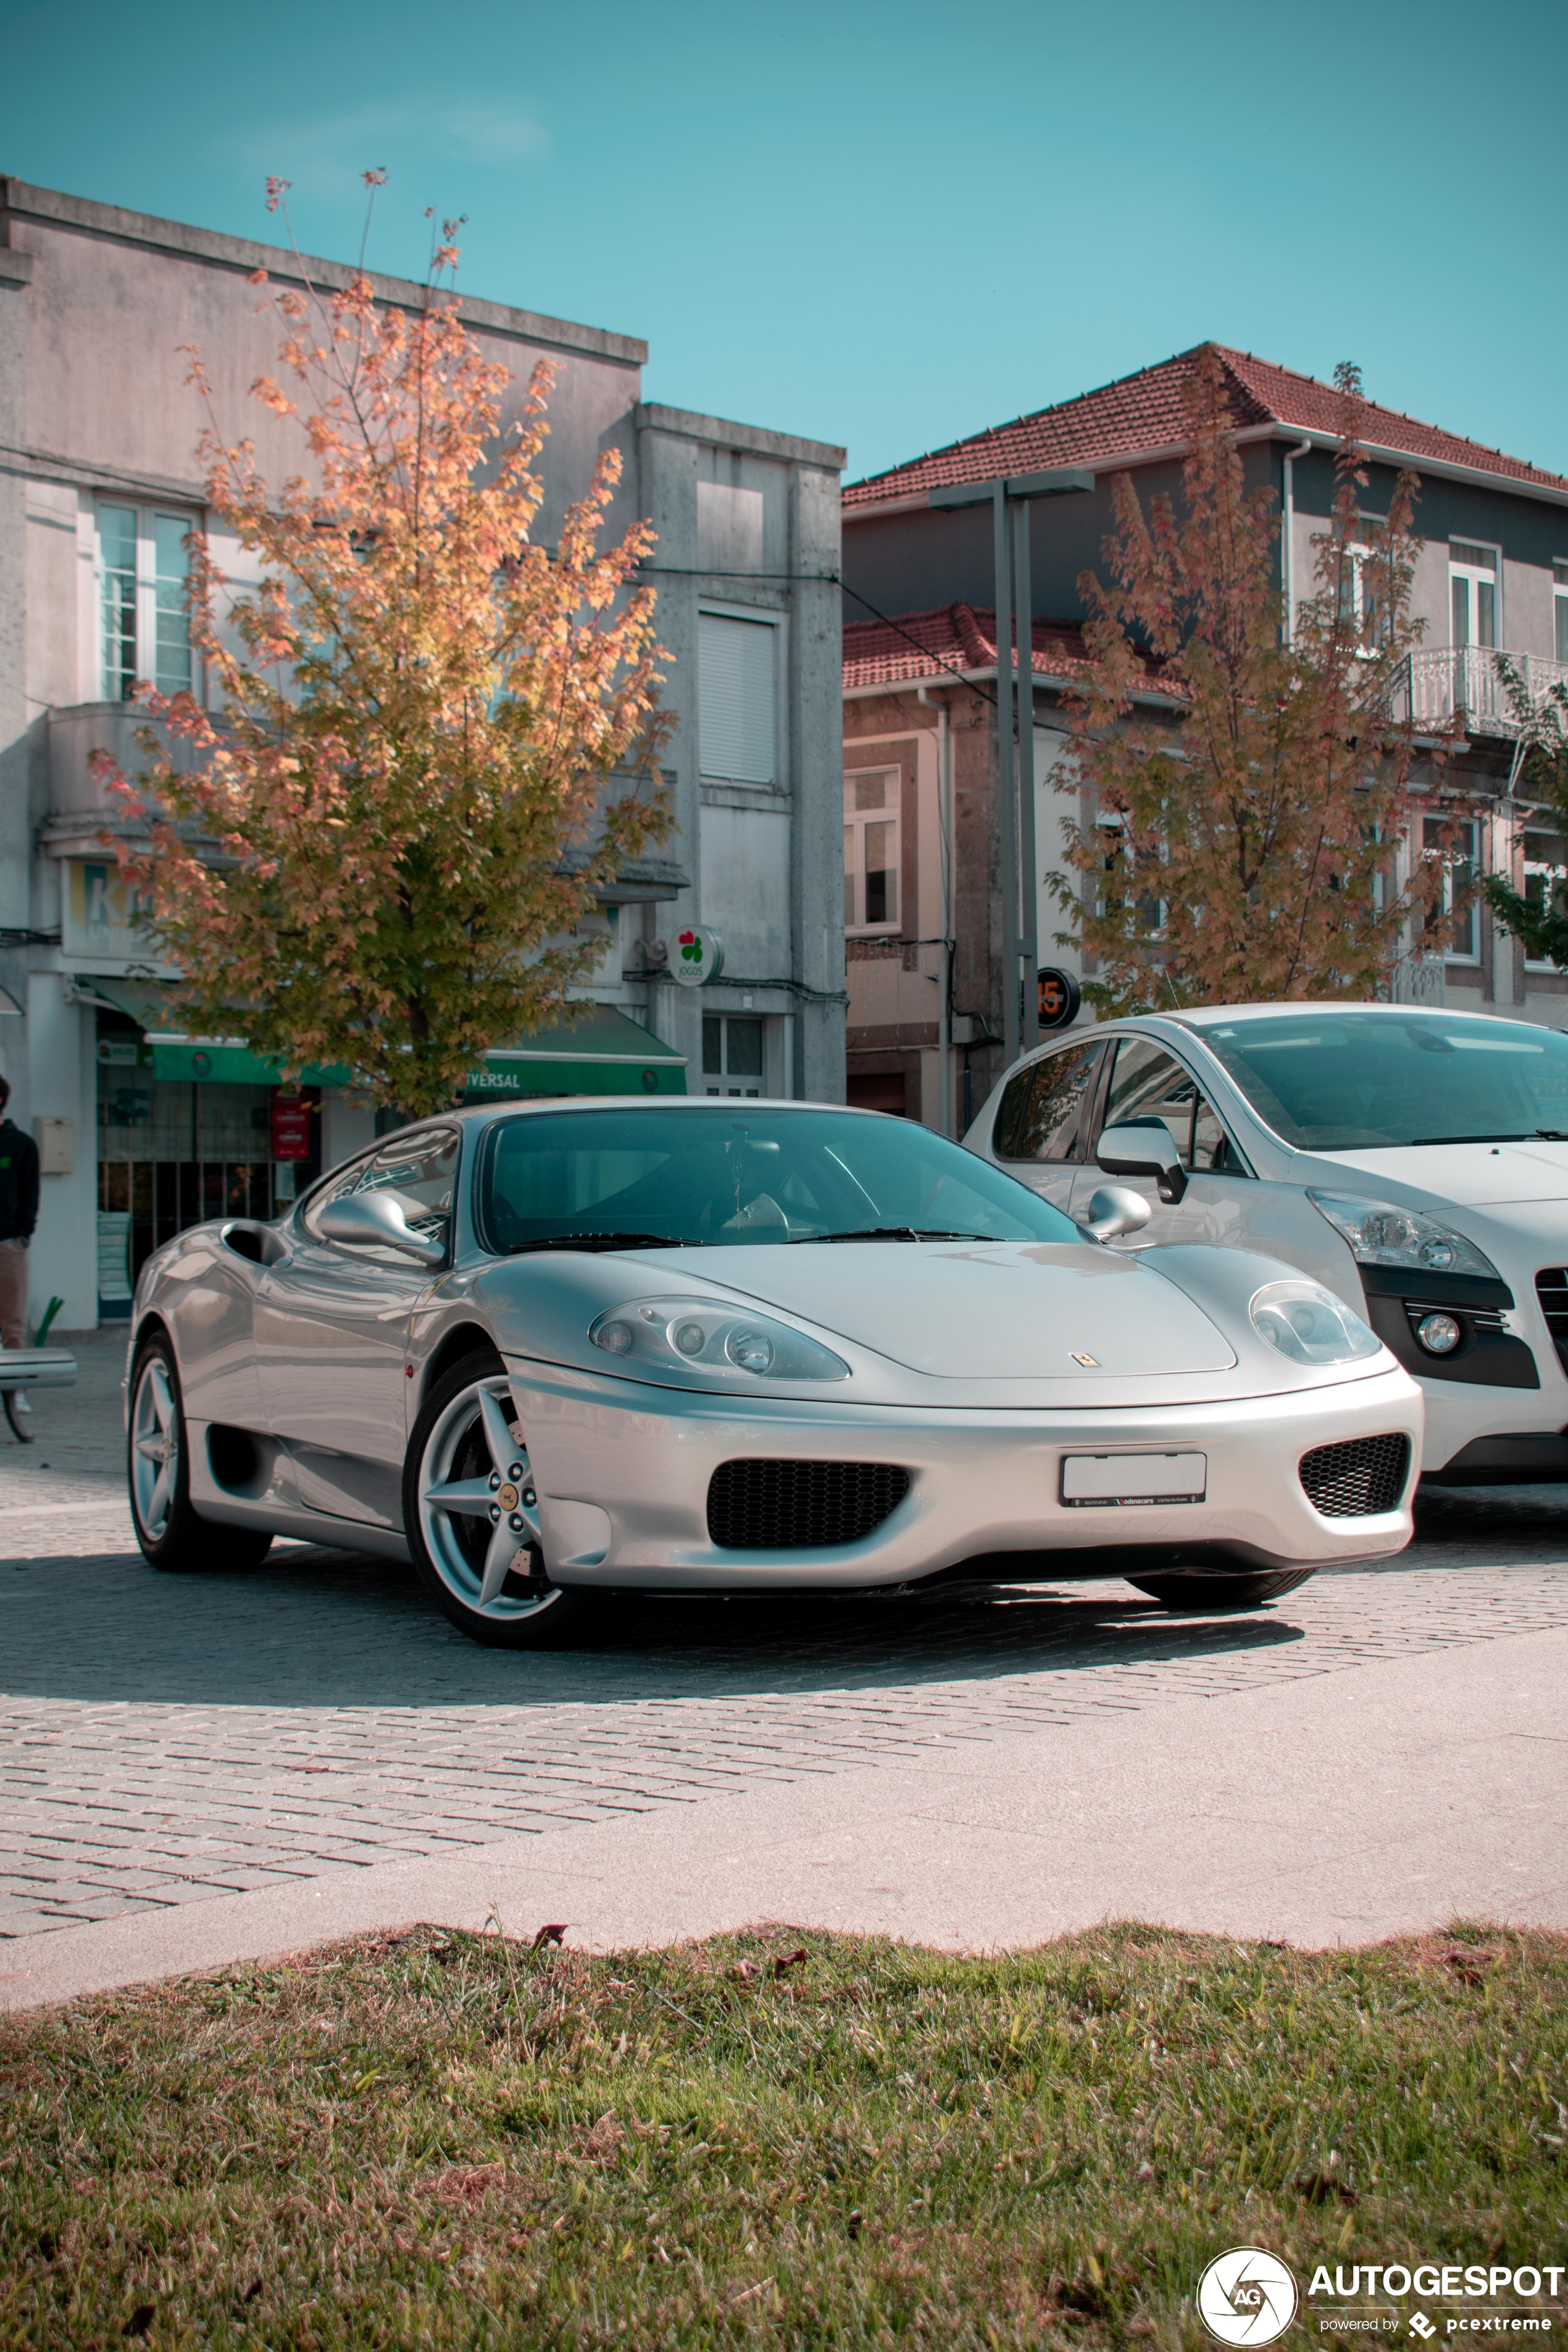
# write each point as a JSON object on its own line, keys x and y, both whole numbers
{"x": 894, "y": 1234}
{"x": 602, "y": 1242}
{"x": 1543, "y": 1132}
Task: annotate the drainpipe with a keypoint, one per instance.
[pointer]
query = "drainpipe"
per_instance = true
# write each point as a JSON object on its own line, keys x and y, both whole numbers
{"x": 945, "y": 834}
{"x": 1287, "y": 536}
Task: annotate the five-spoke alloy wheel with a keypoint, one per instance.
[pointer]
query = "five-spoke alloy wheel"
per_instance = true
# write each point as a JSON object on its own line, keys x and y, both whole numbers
{"x": 169, "y": 1531}
{"x": 471, "y": 1511}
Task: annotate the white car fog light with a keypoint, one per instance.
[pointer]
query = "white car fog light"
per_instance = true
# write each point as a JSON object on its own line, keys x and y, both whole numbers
{"x": 614, "y": 1336}
{"x": 1438, "y": 1334}
{"x": 1310, "y": 1325}
{"x": 752, "y": 1350}
{"x": 689, "y": 1338}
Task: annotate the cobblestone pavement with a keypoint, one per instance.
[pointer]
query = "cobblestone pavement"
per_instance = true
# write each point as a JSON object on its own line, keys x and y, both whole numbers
{"x": 168, "y": 1741}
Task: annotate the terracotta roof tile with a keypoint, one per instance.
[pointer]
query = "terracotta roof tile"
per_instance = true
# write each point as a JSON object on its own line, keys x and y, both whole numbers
{"x": 952, "y": 636}
{"x": 1147, "y": 410}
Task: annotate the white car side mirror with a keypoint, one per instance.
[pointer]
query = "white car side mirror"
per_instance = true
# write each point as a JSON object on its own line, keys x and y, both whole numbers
{"x": 1113, "y": 1210}
{"x": 1142, "y": 1147}
{"x": 375, "y": 1220}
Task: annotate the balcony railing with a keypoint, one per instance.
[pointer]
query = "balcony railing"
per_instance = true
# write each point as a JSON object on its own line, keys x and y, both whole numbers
{"x": 1440, "y": 684}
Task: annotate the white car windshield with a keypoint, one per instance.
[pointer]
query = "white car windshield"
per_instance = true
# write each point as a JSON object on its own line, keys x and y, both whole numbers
{"x": 736, "y": 1176}
{"x": 1357, "y": 1081}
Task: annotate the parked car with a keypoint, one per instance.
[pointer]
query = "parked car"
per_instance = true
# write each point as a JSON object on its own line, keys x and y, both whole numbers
{"x": 684, "y": 1346}
{"x": 1414, "y": 1162}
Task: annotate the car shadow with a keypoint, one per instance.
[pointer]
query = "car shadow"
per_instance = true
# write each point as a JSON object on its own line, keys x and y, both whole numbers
{"x": 311, "y": 1628}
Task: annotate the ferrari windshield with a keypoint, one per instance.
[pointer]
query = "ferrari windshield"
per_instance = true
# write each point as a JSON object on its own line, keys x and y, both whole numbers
{"x": 737, "y": 1176}
{"x": 1357, "y": 1081}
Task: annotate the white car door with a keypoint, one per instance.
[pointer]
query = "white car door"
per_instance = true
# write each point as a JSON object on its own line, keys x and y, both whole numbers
{"x": 1041, "y": 1130}
{"x": 332, "y": 1330}
{"x": 1147, "y": 1081}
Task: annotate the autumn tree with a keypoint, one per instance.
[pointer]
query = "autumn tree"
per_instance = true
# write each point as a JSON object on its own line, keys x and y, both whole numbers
{"x": 1255, "y": 843}
{"x": 430, "y": 738}
{"x": 1537, "y": 915}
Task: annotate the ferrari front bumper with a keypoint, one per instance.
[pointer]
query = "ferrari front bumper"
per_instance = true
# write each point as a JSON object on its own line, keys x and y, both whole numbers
{"x": 623, "y": 1471}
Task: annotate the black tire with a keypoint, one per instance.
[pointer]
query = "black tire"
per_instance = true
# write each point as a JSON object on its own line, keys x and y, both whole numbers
{"x": 450, "y": 1549}
{"x": 1204, "y": 1590}
{"x": 169, "y": 1532}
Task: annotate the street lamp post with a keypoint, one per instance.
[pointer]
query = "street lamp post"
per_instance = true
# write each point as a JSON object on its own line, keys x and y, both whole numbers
{"x": 1008, "y": 496}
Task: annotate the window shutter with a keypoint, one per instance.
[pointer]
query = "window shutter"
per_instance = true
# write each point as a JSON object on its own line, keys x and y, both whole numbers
{"x": 735, "y": 718}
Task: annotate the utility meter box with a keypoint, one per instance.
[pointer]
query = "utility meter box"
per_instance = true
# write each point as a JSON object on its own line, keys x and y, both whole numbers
{"x": 55, "y": 1139}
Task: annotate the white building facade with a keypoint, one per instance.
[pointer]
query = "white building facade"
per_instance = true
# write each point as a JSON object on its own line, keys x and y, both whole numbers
{"x": 144, "y": 1129}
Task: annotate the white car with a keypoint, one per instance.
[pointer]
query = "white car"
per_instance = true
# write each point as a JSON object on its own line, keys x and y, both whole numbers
{"x": 1414, "y": 1161}
{"x": 678, "y": 1346}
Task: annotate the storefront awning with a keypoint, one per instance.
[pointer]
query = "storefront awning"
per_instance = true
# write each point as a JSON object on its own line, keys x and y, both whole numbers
{"x": 604, "y": 1052}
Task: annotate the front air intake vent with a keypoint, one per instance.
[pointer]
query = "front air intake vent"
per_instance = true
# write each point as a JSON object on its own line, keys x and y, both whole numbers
{"x": 1551, "y": 1289}
{"x": 1353, "y": 1480}
{"x": 787, "y": 1506}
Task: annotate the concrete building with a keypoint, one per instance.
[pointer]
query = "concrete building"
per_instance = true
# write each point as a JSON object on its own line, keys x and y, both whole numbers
{"x": 920, "y": 672}
{"x": 144, "y": 1130}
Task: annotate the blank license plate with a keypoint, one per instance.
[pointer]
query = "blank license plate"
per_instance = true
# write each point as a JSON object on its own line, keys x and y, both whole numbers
{"x": 1103, "y": 1481}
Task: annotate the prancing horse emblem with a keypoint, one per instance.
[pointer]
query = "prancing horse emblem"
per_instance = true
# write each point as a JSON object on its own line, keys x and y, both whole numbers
{"x": 1090, "y": 1363}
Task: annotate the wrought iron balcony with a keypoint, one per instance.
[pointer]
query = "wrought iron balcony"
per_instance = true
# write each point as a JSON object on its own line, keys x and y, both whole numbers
{"x": 1440, "y": 684}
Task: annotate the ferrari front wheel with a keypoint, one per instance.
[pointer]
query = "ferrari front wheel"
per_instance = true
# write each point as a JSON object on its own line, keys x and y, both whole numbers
{"x": 471, "y": 1511}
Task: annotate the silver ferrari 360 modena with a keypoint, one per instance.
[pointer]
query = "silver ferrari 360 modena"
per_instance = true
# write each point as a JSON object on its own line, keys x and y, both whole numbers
{"x": 553, "y": 1351}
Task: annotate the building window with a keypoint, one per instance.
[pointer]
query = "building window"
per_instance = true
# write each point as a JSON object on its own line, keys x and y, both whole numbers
{"x": 1358, "y": 604}
{"x": 1545, "y": 873}
{"x": 871, "y": 852}
{"x": 1472, "y": 587}
{"x": 1456, "y": 935}
{"x": 1559, "y": 607}
{"x": 731, "y": 1054}
{"x": 143, "y": 570}
{"x": 737, "y": 699}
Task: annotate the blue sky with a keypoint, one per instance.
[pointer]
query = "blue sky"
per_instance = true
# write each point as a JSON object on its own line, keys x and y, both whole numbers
{"x": 883, "y": 226}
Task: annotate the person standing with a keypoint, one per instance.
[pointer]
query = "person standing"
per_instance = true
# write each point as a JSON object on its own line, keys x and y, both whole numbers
{"x": 19, "y": 1216}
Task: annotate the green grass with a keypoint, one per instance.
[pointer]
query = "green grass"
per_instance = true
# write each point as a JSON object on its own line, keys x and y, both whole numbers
{"x": 444, "y": 2139}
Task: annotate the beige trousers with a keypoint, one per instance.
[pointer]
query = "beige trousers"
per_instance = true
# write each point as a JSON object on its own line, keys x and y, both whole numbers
{"x": 13, "y": 1294}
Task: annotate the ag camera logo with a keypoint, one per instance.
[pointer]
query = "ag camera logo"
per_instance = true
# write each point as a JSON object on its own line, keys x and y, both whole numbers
{"x": 1246, "y": 2296}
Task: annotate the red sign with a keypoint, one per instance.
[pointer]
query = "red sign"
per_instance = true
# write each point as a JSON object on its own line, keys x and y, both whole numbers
{"x": 291, "y": 1127}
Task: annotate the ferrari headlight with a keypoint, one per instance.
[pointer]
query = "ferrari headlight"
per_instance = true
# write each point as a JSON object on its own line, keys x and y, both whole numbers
{"x": 685, "y": 1335}
{"x": 1380, "y": 1234}
{"x": 1310, "y": 1325}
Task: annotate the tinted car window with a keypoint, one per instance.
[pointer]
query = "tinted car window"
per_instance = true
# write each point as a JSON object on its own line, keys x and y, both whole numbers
{"x": 1353, "y": 1081}
{"x": 1051, "y": 1107}
{"x": 1148, "y": 1082}
{"x": 731, "y": 1175}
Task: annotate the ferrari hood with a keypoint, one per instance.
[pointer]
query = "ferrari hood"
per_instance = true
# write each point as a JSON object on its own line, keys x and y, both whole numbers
{"x": 1469, "y": 1175}
{"x": 987, "y": 1310}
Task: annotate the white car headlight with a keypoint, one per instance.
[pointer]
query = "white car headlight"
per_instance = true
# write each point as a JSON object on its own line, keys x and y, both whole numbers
{"x": 687, "y": 1335}
{"x": 1380, "y": 1234}
{"x": 1311, "y": 1325}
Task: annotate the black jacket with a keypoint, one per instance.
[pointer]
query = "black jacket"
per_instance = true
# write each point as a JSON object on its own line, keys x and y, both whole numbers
{"x": 18, "y": 1182}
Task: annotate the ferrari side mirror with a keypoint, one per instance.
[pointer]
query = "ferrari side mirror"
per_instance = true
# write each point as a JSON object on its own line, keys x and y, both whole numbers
{"x": 1113, "y": 1210}
{"x": 375, "y": 1220}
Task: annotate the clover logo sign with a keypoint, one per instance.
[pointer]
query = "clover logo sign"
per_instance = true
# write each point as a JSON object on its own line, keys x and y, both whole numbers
{"x": 698, "y": 956}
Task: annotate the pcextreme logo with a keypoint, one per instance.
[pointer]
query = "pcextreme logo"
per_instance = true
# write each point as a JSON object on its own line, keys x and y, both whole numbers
{"x": 1246, "y": 2296}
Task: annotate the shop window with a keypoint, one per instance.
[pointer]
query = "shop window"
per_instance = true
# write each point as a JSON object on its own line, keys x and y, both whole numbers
{"x": 142, "y": 567}
{"x": 871, "y": 851}
{"x": 731, "y": 1054}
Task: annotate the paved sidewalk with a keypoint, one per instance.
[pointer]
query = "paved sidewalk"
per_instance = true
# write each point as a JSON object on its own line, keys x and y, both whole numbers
{"x": 307, "y": 1744}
